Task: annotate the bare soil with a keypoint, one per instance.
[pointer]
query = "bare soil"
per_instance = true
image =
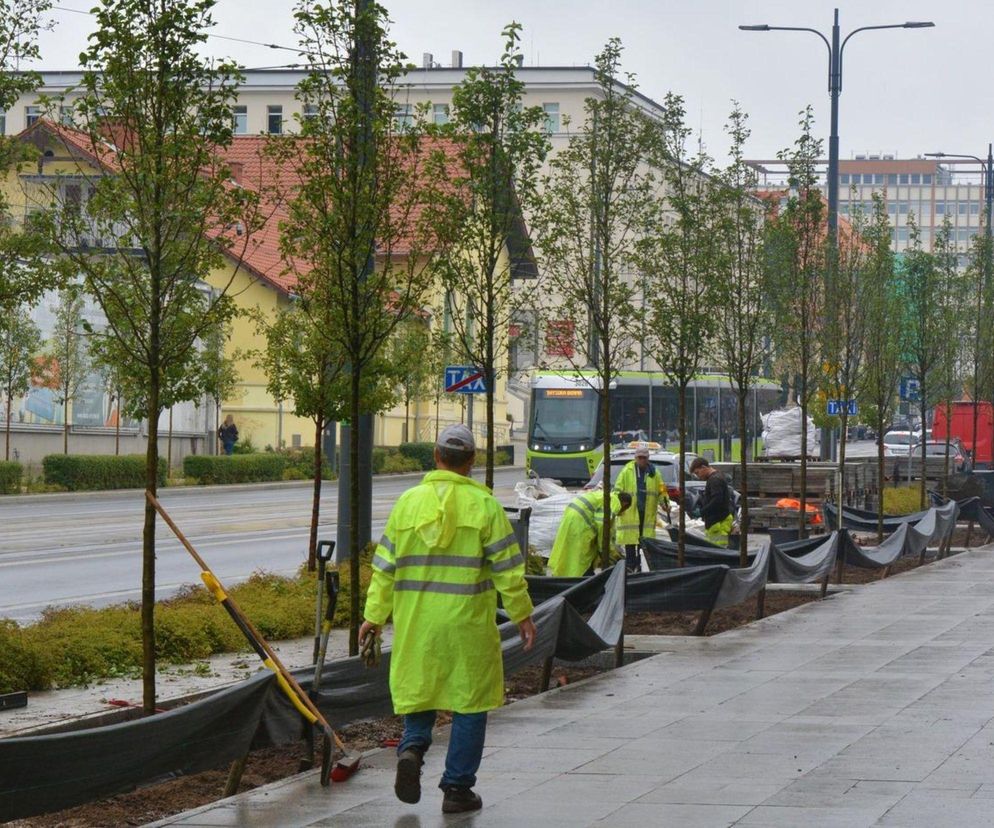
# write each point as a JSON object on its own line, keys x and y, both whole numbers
{"x": 155, "y": 802}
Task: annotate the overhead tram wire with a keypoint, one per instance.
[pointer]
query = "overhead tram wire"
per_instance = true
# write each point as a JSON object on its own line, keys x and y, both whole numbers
{"x": 214, "y": 36}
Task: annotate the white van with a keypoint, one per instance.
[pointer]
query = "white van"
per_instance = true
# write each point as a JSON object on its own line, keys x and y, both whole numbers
{"x": 899, "y": 443}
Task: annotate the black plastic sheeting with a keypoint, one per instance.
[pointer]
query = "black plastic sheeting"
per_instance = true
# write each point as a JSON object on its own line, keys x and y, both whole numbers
{"x": 864, "y": 521}
{"x": 907, "y": 538}
{"x": 973, "y": 509}
{"x": 40, "y": 774}
{"x": 806, "y": 561}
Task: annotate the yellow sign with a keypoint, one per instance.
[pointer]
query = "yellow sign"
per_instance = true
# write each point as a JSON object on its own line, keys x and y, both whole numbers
{"x": 563, "y": 392}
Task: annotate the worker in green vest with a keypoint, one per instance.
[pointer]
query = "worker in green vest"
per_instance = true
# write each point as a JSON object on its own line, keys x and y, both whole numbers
{"x": 579, "y": 535}
{"x": 715, "y": 504}
{"x": 644, "y": 483}
{"x": 447, "y": 551}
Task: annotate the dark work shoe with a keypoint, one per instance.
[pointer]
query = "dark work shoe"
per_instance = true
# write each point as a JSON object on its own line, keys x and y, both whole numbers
{"x": 408, "y": 783}
{"x": 458, "y": 800}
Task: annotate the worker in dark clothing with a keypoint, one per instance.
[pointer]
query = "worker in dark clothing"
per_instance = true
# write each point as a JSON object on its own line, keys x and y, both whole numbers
{"x": 715, "y": 506}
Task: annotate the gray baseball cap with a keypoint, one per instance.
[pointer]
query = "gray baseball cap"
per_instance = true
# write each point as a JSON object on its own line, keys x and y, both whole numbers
{"x": 456, "y": 437}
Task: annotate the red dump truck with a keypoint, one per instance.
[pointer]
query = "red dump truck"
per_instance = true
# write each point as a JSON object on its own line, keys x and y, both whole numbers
{"x": 961, "y": 425}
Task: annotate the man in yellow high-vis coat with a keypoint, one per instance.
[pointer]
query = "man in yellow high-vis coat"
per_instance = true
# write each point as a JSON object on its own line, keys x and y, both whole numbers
{"x": 645, "y": 484}
{"x": 447, "y": 550}
{"x": 578, "y": 538}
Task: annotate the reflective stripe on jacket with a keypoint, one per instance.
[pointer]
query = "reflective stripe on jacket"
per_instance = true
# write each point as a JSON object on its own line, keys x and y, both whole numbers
{"x": 447, "y": 550}
{"x": 578, "y": 537}
{"x": 629, "y": 531}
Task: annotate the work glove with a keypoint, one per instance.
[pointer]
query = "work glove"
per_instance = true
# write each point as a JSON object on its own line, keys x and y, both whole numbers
{"x": 370, "y": 649}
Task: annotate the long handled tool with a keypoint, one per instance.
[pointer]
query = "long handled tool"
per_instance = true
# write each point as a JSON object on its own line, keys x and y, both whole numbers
{"x": 327, "y": 583}
{"x": 345, "y": 766}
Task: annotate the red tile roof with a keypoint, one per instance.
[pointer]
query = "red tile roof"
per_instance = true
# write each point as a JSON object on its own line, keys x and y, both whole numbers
{"x": 252, "y": 168}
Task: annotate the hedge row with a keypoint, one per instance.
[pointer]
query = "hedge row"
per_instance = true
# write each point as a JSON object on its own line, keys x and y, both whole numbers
{"x": 10, "y": 477}
{"x": 236, "y": 468}
{"x": 83, "y": 472}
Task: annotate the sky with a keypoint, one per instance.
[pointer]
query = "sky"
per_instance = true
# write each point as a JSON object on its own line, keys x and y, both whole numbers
{"x": 905, "y": 91}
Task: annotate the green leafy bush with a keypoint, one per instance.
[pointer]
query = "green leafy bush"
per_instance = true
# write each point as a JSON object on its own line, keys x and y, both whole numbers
{"x": 300, "y": 464}
{"x": 902, "y": 500}
{"x": 10, "y": 477}
{"x": 501, "y": 458}
{"x": 237, "y": 468}
{"x": 379, "y": 458}
{"x": 23, "y": 666}
{"x": 87, "y": 472}
{"x": 424, "y": 453}
{"x": 398, "y": 464}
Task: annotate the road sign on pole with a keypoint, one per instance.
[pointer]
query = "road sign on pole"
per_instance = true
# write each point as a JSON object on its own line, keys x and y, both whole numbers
{"x": 834, "y": 407}
{"x": 464, "y": 379}
{"x": 910, "y": 389}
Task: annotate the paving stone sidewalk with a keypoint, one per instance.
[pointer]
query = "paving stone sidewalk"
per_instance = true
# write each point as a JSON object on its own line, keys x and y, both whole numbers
{"x": 873, "y": 707}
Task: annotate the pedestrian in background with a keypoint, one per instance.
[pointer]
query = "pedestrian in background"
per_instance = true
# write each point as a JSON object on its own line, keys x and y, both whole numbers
{"x": 447, "y": 550}
{"x": 228, "y": 434}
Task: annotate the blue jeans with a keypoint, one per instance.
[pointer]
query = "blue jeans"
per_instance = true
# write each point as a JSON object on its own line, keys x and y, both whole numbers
{"x": 465, "y": 744}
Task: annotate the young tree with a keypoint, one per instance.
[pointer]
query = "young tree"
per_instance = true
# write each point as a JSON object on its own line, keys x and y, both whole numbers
{"x": 882, "y": 307}
{"x": 499, "y": 146}
{"x": 165, "y": 198}
{"x": 743, "y": 319}
{"x": 357, "y": 233}
{"x": 24, "y": 277}
{"x": 845, "y": 327}
{"x": 219, "y": 371}
{"x": 682, "y": 261}
{"x": 924, "y": 330}
{"x": 797, "y": 265}
{"x": 68, "y": 352}
{"x": 417, "y": 373}
{"x": 599, "y": 200}
{"x": 951, "y": 298}
{"x": 19, "y": 341}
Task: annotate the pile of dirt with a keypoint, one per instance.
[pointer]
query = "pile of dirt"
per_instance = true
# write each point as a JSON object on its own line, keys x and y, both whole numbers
{"x": 685, "y": 623}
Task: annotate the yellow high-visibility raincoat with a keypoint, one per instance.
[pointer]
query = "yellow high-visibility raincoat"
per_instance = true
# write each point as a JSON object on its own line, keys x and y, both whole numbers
{"x": 578, "y": 537}
{"x": 447, "y": 550}
{"x": 629, "y": 530}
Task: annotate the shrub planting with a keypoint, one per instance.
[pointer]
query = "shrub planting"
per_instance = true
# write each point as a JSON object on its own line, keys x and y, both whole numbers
{"x": 86, "y": 472}
{"x": 236, "y": 468}
{"x": 10, "y": 477}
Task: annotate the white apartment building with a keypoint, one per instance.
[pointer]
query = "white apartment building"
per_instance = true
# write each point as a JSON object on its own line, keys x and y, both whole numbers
{"x": 926, "y": 189}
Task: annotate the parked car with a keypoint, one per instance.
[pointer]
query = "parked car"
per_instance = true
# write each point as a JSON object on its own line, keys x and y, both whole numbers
{"x": 899, "y": 443}
{"x": 959, "y": 457}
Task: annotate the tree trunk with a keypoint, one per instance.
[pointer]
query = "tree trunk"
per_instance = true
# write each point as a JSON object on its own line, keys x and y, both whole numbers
{"x": 148, "y": 550}
{"x": 681, "y": 426}
{"x": 744, "y": 469}
{"x": 945, "y": 468}
{"x": 880, "y": 474}
{"x": 488, "y": 374}
{"x": 7, "y": 428}
{"x": 921, "y": 485}
{"x": 312, "y": 543}
{"x": 843, "y": 437}
{"x": 117, "y": 428}
{"x": 802, "y": 518}
{"x": 606, "y": 414}
{"x": 169, "y": 444}
{"x": 407, "y": 419}
{"x": 65, "y": 425}
{"x": 354, "y": 413}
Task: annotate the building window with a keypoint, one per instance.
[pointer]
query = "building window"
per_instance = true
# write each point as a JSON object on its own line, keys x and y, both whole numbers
{"x": 903, "y": 178}
{"x": 31, "y": 114}
{"x": 902, "y": 234}
{"x": 65, "y": 115}
{"x": 916, "y": 178}
{"x": 962, "y": 208}
{"x": 844, "y": 208}
{"x": 962, "y": 235}
{"x": 559, "y": 338}
{"x": 3, "y": 121}
{"x": 239, "y": 120}
{"x": 902, "y": 208}
{"x": 274, "y": 119}
{"x": 940, "y": 208}
{"x": 891, "y": 208}
{"x": 927, "y": 178}
{"x": 974, "y": 208}
{"x": 551, "y": 117}
{"x": 844, "y": 178}
{"x": 403, "y": 117}
{"x": 309, "y": 113}
{"x": 892, "y": 179}
{"x": 878, "y": 178}
{"x": 440, "y": 114}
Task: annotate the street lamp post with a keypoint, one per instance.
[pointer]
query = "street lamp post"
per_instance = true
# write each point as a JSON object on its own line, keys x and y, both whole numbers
{"x": 985, "y": 280}
{"x": 836, "y": 50}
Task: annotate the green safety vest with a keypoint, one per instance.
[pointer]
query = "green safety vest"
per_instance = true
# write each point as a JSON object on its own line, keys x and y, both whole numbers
{"x": 629, "y": 531}
{"x": 578, "y": 537}
{"x": 447, "y": 550}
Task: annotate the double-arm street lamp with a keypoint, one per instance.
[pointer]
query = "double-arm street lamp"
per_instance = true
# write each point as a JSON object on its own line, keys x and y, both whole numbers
{"x": 836, "y": 50}
{"x": 987, "y": 266}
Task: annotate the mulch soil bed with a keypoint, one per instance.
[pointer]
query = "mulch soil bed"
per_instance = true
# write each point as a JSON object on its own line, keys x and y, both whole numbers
{"x": 272, "y": 764}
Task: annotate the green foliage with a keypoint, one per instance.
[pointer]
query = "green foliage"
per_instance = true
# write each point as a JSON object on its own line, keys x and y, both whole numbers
{"x": 10, "y": 477}
{"x": 501, "y": 458}
{"x": 67, "y": 350}
{"x": 424, "y": 453}
{"x": 245, "y": 446}
{"x": 86, "y": 472}
{"x": 300, "y": 464}
{"x": 237, "y": 468}
{"x": 23, "y": 666}
{"x": 19, "y": 340}
{"x": 399, "y": 464}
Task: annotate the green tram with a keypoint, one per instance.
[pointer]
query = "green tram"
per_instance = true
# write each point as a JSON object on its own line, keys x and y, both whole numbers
{"x": 565, "y": 426}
